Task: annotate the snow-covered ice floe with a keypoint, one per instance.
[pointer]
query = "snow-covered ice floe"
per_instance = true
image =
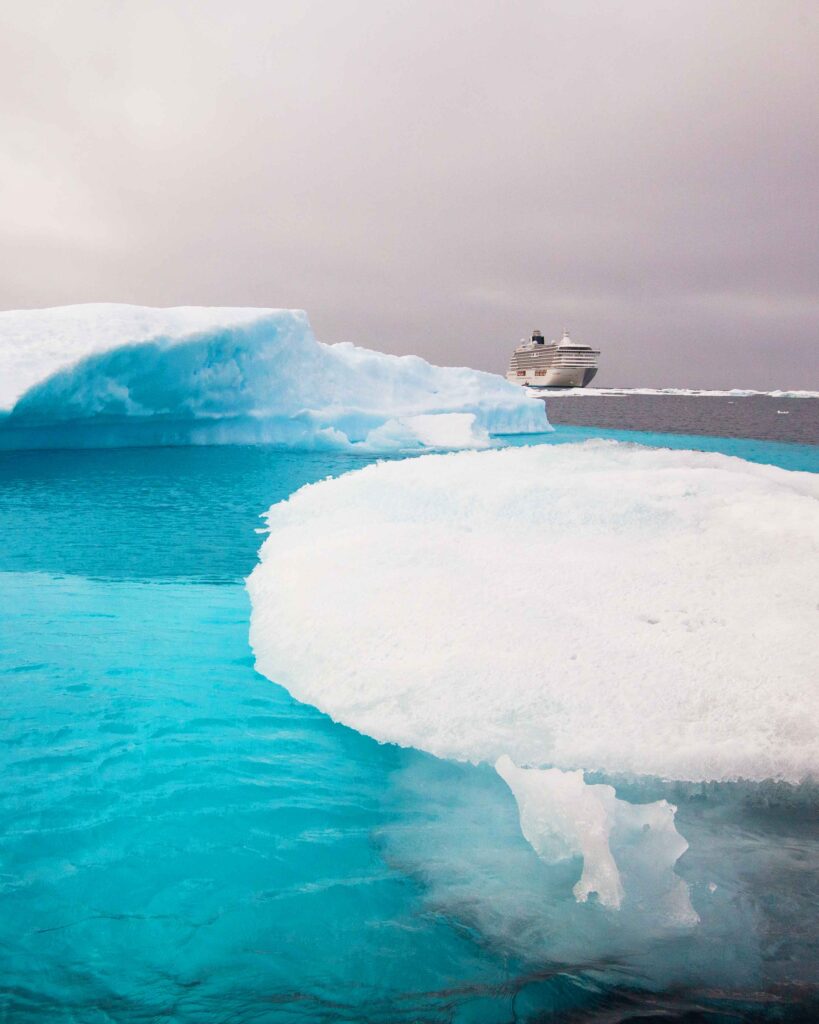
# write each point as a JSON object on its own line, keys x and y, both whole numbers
{"x": 555, "y": 610}
{"x": 110, "y": 375}
{"x": 682, "y": 392}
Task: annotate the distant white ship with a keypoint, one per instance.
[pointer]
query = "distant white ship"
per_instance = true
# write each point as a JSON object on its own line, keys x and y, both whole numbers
{"x": 560, "y": 364}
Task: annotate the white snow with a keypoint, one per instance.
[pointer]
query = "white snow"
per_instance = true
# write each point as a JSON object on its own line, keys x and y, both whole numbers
{"x": 598, "y": 606}
{"x": 100, "y": 375}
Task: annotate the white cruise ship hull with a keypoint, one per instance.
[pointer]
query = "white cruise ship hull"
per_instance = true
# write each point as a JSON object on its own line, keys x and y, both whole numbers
{"x": 575, "y": 377}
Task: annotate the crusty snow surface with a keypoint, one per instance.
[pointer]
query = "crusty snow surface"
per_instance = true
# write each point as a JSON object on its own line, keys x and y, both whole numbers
{"x": 600, "y": 606}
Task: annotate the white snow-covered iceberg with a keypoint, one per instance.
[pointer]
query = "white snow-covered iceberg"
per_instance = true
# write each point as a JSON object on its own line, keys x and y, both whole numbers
{"x": 599, "y": 607}
{"x": 108, "y": 375}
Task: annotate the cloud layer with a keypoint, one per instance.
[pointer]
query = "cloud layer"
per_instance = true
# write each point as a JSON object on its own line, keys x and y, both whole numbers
{"x": 436, "y": 178}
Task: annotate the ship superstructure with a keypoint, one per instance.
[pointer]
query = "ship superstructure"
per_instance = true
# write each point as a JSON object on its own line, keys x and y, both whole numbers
{"x": 558, "y": 364}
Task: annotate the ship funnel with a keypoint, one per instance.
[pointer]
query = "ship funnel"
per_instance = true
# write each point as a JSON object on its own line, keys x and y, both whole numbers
{"x": 537, "y": 338}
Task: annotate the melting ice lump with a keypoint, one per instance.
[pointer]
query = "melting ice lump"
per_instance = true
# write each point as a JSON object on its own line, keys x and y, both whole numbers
{"x": 600, "y": 606}
{"x": 562, "y": 816}
{"x": 105, "y": 375}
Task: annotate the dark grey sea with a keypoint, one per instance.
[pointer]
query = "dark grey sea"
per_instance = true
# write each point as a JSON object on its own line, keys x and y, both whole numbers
{"x": 754, "y": 416}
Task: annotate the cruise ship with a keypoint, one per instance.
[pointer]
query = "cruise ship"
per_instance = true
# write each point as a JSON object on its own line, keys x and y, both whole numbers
{"x": 560, "y": 364}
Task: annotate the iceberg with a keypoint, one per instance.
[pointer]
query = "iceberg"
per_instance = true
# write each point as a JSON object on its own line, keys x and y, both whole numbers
{"x": 557, "y": 611}
{"x": 112, "y": 375}
{"x": 600, "y": 606}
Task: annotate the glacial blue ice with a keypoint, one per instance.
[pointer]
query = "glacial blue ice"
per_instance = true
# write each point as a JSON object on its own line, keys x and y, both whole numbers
{"x": 100, "y": 376}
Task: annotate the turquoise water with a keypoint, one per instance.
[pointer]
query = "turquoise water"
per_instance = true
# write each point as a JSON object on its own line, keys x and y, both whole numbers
{"x": 802, "y": 457}
{"x": 180, "y": 841}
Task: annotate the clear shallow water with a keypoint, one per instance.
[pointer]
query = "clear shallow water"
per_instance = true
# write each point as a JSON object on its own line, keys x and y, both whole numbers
{"x": 183, "y": 842}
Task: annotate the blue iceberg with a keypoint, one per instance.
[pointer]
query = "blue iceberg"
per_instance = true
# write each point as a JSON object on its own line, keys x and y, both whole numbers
{"x": 109, "y": 375}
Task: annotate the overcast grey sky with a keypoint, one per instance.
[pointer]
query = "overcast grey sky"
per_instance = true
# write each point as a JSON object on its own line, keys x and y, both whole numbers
{"x": 430, "y": 177}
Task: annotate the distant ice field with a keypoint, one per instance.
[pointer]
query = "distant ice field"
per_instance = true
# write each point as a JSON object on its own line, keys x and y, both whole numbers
{"x": 680, "y": 392}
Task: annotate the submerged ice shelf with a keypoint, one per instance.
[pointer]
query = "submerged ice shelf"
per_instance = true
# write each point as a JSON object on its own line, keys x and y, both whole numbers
{"x": 109, "y": 375}
{"x": 562, "y": 816}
